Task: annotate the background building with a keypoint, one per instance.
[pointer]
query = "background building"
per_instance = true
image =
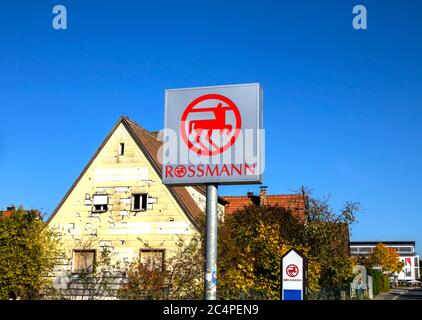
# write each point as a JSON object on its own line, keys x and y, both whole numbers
{"x": 406, "y": 250}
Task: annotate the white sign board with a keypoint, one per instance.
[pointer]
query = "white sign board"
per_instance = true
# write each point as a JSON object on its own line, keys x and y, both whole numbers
{"x": 294, "y": 271}
{"x": 213, "y": 135}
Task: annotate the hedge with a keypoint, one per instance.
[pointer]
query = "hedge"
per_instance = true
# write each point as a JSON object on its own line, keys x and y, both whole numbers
{"x": 377, "y": 282}
{"x": 385, "y": 283}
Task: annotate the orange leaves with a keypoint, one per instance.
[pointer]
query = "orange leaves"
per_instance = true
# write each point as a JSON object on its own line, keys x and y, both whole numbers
{"x": 387, "y": 258}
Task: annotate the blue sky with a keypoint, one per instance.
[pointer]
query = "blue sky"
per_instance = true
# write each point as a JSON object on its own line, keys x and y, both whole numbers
{"x": 342, "y": 107}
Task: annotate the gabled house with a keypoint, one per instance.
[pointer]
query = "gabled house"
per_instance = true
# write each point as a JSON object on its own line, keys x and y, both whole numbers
{"x": 119, "y": 198}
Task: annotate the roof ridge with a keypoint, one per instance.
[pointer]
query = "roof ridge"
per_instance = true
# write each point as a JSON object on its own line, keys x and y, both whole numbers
{"x": 139, "y": 126}
{"x": 130, "y": 122}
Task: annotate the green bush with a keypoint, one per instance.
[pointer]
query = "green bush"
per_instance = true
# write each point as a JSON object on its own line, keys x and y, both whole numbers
{"x": 380, "y": 282}
{"x": 385, "y": 283}
{"x": 377, "y": 282}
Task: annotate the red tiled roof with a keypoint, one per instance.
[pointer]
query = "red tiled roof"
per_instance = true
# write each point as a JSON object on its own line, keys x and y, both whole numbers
{"x": 9, "y": 213}
{"x": 6, "y": 214}
{"x": 295, "y": 203}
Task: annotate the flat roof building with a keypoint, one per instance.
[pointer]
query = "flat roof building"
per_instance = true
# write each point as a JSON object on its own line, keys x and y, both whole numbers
{"x": 405, "y": 249}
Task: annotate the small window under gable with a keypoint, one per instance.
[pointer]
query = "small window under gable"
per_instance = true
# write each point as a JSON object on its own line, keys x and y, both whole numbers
{"x": 139, "y": 201}
{"x": 100, "y": 203}
{"x": 121, "y": 149}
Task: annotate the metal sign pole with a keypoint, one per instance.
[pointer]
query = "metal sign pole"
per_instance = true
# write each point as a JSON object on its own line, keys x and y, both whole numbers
{"x": 210, "y": 282}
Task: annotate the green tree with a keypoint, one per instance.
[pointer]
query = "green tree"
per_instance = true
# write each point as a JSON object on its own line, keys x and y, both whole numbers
{"x": 251, "y": 244}
{"x": 327, "y": 234}
{"x": 28, "y": 253}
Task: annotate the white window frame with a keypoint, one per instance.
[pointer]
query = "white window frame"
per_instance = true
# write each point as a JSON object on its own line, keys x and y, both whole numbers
{"x": 100, "y": 204}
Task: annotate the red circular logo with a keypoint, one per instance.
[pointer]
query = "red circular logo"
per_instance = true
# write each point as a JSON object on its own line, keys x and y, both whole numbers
{"x": 180, "y": 171}
{"x": 292, "y": 270}
{"x": 210, "y": 124}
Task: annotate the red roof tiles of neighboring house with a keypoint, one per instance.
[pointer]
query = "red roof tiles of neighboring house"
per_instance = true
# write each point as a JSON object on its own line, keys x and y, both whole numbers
{"x": 6, "y": 214}
{"x": 295, "y": 203}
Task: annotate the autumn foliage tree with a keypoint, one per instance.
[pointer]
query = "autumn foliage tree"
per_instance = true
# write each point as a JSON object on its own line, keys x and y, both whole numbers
{"x": 251, "y": 243}
{"x": 387, "y": 258}
{"x": 28, "y": 252}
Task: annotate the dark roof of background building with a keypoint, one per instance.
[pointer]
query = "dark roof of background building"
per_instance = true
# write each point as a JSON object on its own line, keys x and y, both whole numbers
{"x": 369, "y": 243}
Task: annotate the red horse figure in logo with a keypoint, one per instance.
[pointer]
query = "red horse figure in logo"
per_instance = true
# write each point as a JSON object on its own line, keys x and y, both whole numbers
{"x": 198, "y": 134}
{"x": 208, "y": 125}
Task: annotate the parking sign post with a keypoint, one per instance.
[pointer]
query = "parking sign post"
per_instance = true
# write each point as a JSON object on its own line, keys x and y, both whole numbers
{"x": 294, "y": 275}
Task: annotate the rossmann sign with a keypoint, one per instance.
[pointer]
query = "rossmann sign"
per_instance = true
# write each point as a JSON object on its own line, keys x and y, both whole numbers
{"x": 213, "y": 135}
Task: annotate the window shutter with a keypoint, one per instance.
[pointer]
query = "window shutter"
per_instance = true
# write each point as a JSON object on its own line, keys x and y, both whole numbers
{"x": 100, "y": 199}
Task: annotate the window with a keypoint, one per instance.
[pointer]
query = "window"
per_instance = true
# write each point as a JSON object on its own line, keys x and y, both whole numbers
{"x": 121, "y": 149}
{"x": 152, "y": 259}
{"x": 139, "y": 201}
{"x": 83, "y": 260}
{"x": 100, "y": 203}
